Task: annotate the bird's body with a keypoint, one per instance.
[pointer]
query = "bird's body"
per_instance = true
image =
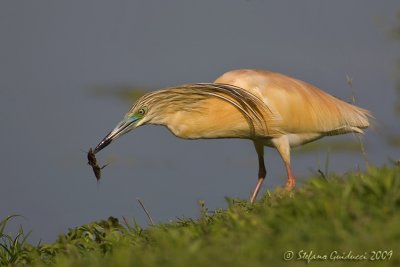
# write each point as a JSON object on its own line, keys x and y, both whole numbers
{"x": 303, "y": 112}
{"x": 269, "y": 108}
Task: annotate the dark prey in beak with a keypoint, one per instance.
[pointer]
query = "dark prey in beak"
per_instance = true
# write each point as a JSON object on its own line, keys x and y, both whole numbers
{"x": 92, "y": 161}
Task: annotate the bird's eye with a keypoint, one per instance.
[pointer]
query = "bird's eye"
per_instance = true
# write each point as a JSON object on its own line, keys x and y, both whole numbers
{"x": 141, "y": 111}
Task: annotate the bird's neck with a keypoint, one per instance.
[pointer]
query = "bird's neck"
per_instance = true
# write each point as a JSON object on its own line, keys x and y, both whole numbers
{"x": 214, "y": 119}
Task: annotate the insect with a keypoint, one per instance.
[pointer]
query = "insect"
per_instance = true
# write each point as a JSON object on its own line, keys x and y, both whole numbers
{"x": 92, "y": 161}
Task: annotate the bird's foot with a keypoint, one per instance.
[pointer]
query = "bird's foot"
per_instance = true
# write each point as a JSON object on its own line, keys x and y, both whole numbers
{"x": 290, "y": 184}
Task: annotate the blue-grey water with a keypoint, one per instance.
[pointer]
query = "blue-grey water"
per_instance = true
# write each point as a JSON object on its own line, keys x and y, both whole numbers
{"x": 53, "y": 53}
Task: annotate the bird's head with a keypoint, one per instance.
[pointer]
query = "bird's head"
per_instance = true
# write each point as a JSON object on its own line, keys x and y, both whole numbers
{"x": 137, "y": 116}
{"x": 157, "y": 107}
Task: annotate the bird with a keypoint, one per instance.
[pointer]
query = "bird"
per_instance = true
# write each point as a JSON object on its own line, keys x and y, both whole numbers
{"x": 269, "y": 108}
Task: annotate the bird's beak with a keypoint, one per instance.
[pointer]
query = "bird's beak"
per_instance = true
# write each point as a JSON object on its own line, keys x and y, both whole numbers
{"x": 127, "y": 124}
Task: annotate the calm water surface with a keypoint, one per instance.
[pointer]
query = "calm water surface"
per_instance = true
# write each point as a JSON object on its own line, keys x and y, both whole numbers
{"x": 53, "y": 54}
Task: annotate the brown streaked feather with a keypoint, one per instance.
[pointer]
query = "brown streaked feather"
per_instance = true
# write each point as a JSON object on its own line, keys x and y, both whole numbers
{"x": 255, "y": 111}
{"x": 188, "y": 97}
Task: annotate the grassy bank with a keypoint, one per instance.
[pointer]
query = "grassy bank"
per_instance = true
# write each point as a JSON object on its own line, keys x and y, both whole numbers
{"x": 351, "y": 220}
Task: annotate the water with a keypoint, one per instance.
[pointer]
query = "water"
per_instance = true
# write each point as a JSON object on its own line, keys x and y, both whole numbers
{"x": 53, "y": 54}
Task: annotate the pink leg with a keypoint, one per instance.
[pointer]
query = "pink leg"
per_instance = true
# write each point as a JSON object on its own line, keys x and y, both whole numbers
{"x": 262, "y": 172}
{"x": 255, "y": 192}
{"x": 291, "y": 181}
{"x": 283, "y": 147}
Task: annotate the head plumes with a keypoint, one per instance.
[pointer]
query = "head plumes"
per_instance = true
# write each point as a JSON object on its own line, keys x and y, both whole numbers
{"x": 189, "y": 98}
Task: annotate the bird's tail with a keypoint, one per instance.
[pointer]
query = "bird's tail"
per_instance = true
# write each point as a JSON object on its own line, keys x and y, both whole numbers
{"x": 354, "y": 119}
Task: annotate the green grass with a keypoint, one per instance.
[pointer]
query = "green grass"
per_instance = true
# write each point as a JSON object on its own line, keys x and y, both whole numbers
{"x": 12, "y": 249}
{"x": 357, "y": 212}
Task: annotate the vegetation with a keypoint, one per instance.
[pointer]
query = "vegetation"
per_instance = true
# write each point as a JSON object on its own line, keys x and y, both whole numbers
{"x": 352, "y": 215}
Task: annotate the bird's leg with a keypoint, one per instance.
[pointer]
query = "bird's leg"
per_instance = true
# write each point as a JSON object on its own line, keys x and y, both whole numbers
{"x": 291, "y": 181}
{"x": 262, "y": 172}
{"x": 283, "y": 147}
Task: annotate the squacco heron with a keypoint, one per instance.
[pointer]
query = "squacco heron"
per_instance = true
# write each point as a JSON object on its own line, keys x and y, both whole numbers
{"x": 269, "y": 108}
